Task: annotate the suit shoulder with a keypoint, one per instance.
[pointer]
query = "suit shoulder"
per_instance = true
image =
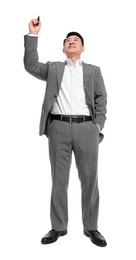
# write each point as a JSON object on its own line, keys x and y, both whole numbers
{"x": 52, "y": 63}
{"x": 55, "y": 62}
{"x": 93, "y": 67}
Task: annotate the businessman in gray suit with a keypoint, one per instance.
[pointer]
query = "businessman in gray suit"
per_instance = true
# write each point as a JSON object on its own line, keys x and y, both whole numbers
{"x": 73, "y": 116}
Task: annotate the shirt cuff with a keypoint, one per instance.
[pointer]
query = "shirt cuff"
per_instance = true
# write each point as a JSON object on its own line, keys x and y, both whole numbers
{"x": 33, "y": 35}
{"x": 99, "y": 127}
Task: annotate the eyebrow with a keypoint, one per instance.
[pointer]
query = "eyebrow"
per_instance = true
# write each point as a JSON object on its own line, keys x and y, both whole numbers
{"x": 76, "y": 37}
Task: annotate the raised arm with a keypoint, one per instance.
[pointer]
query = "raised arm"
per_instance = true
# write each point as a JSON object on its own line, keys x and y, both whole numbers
{"x": 31, "y": 59}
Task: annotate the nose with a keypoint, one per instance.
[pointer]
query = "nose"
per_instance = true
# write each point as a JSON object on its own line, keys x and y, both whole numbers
{"x": 71, "y": 42}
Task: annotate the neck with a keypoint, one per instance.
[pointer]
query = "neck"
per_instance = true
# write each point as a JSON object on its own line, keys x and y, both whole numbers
{"x": 73, "y": 58}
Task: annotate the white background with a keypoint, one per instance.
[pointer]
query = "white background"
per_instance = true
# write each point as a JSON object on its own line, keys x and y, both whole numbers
{"x": 108, "y": 28}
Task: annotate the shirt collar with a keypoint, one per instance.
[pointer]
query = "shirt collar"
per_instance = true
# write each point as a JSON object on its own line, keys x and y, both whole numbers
{"x": 77, "y": 64}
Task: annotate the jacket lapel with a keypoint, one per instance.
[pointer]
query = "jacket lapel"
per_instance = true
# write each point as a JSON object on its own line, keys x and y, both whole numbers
{"x": 60, "y": 71}
{"x": 86, "y": 73}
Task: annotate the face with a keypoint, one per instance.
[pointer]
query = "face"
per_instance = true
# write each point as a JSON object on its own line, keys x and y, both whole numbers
{"x": 73, "y": 45}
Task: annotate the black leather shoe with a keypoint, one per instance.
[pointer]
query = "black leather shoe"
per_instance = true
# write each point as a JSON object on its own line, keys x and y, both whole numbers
{"x": 52, "y": 236}
{"x": 96, "y": 237}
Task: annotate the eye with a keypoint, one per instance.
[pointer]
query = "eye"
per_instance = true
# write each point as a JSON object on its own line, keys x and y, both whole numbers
{"x": 76, "y": 40}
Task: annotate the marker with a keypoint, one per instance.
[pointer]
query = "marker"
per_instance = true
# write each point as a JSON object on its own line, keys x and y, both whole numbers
{"x": 38, "y": 19}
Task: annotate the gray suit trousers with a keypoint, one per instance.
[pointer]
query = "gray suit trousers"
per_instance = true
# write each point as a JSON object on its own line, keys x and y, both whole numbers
{"x": 83, "y": 140}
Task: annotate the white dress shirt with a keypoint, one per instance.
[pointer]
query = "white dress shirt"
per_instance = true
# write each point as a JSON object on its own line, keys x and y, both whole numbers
{"x": 71, "y": 98}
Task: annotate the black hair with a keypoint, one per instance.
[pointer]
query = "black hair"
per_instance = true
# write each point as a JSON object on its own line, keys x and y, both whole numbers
{"x": 74, "y": 33}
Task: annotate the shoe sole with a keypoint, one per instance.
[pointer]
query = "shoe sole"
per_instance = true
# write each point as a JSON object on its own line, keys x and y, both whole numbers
{"x": 97, "y": 244}
{"x": 50, "y": 242}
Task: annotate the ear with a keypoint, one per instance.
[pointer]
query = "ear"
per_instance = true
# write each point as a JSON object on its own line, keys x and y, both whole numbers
{"x": 83, "y": 48}
{"x": 63, "y": 50}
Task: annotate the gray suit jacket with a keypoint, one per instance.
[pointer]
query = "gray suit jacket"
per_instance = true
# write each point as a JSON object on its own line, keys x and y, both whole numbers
{"x": 52, "y": 73}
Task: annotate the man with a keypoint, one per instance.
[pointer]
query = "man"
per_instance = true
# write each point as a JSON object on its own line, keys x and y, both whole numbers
{"x": 73, "y": 115}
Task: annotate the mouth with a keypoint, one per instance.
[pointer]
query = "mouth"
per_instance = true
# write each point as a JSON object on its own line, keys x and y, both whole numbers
{"x": 71, "y": 47}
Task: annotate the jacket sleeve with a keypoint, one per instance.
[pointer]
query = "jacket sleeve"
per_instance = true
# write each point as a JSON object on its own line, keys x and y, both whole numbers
{"x": 100, "y": 100}
{"x": 31, "y": 63}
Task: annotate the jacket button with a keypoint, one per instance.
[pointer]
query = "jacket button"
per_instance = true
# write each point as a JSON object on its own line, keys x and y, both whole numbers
{"x": 55, "y": 95}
